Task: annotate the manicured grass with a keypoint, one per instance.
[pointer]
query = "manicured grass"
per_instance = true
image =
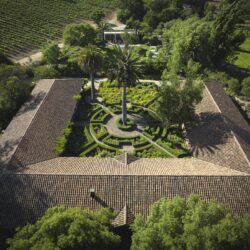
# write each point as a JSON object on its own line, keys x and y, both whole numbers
{"x": 26, "y": 25}
{"x": 243, "y": 56}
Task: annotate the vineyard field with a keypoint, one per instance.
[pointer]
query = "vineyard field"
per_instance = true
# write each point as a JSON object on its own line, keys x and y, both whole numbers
{"x": 25, "y": 25}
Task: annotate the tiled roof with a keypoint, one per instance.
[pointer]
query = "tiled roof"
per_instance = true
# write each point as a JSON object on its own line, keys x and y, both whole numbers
{"x": 109, "y": 166}
{"x": 16, "y": 130}
{"x": 212, "y": 138}
{"x": 23, "y": 198}
{"x": 38, "y": 142}
{"x": 124, "y": 217}
{"x": 232, "y": 116}
{"x": 125, "y": 184}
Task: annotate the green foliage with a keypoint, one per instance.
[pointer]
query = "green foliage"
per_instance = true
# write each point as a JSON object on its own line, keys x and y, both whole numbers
{"x": 67, "y": 228}
{"x": 176, "y": 103}
{"x": 206, "y": 42}
{"x": 79, "y": 35}
{"x": 62, "y": 140}
{"x": 45, "y": 72}
{"x": 27, "y": 26}
{"x": 130, "y": 125}
{"x": 124, "y": 67}
{"x": 14, "y": 90}
{"x": 97, "y": 16}
{"x": 138, "y": 95}
{"x": 243, "y": 55}
{"x": 219, "y": 76}
{"x": 234, "y": 85}
{"x": 246, "y": 87}
{"x": 150, "y": 151}
{"x": 51, "y": 53}
{"x": 190, "y": 223}
{"x": 90, "y": 59}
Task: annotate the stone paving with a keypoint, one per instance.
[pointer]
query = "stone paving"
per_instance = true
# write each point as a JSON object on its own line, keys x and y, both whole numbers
{"x": 114, "y": 130}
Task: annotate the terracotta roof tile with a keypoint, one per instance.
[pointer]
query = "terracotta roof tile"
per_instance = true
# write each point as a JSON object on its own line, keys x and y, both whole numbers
{"x": 143, "y": 166}
{"x": 23, "y": 198}
{"x": 38, "y": 143}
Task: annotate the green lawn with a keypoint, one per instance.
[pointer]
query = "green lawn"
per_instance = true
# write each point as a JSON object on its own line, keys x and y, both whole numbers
{"x": 243, "y": 60}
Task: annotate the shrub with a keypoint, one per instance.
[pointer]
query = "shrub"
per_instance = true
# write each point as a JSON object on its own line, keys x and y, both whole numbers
{"x": 51, "y": 53}
{"x": 100, "y": 116}
{"x": 150, "y": 151}
{"x": 234, "y": 85}
{"x": 62, "y": 140}
{"x": 246, "y": 87}
{"x": 45, "y": 72}
{"x": 130, "y": 125}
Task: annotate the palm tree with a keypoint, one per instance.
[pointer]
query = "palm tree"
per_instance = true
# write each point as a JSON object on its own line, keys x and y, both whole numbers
{"x": 125, "y": 68}
{"x": 102, "y": 27}
{"x": 90, "y": 59}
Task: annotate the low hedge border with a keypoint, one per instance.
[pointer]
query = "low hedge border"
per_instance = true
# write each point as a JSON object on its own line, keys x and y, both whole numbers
{"x": 128, "y": 127}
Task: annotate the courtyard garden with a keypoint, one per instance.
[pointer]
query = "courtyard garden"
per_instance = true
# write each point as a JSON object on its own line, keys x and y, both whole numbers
{"x": 97, "y": 129}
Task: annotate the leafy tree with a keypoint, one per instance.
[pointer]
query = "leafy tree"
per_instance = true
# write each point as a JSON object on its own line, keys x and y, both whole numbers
{"x": 14, "y": 90}
{"x": 125, "y": 68}
{"x": 176, "y": 103}
{"x": 67, "y": 228}
{"x": 79, "y": 35}
{"x": 246, "y": 87}
{"x": 51, "y": 53}
{"x": 206, "y": 42}
{"x": 45, "y": 72}
{"x": 131, "y": 9}
{"x": 190, "y": 224}
{"x": 90, "y": 59}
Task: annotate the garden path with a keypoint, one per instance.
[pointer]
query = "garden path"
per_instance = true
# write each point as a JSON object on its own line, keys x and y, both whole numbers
{"x": 114, "y": 130}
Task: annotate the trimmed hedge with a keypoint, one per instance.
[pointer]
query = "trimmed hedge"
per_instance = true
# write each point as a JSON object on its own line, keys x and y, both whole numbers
{"x": 128, "y": 127}
{"x": 103, "y": 132}
{"x": 100, "y": 116}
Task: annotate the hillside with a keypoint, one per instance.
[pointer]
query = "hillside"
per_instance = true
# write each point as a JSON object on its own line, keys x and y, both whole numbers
{"x": 26, "y": 27}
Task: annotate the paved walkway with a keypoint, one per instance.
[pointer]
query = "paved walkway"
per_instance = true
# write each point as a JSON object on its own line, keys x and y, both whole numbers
{"x": 114, "y": 130}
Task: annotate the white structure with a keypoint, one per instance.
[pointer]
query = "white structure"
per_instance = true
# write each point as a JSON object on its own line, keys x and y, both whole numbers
{"x": 114, "y": 36}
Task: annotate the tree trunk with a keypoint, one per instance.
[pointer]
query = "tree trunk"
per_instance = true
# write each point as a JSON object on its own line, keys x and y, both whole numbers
{"x": 124, "y": 103}
{"x": 92, "y": 79}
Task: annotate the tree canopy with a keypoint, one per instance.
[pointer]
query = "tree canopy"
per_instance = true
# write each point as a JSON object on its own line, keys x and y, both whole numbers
{"x": 176, "y": 103}
{"x": 90, "y": 59}
{"x": 51, "y": 53}
{"x": 190, "y": 224}
{"x": 67, "y": 228}
{"x": 79, "y": 35}
{"x": 207, "y": 42}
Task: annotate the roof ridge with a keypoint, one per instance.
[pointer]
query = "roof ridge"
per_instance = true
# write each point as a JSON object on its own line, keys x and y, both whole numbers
{"x": 233, "y": 134}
